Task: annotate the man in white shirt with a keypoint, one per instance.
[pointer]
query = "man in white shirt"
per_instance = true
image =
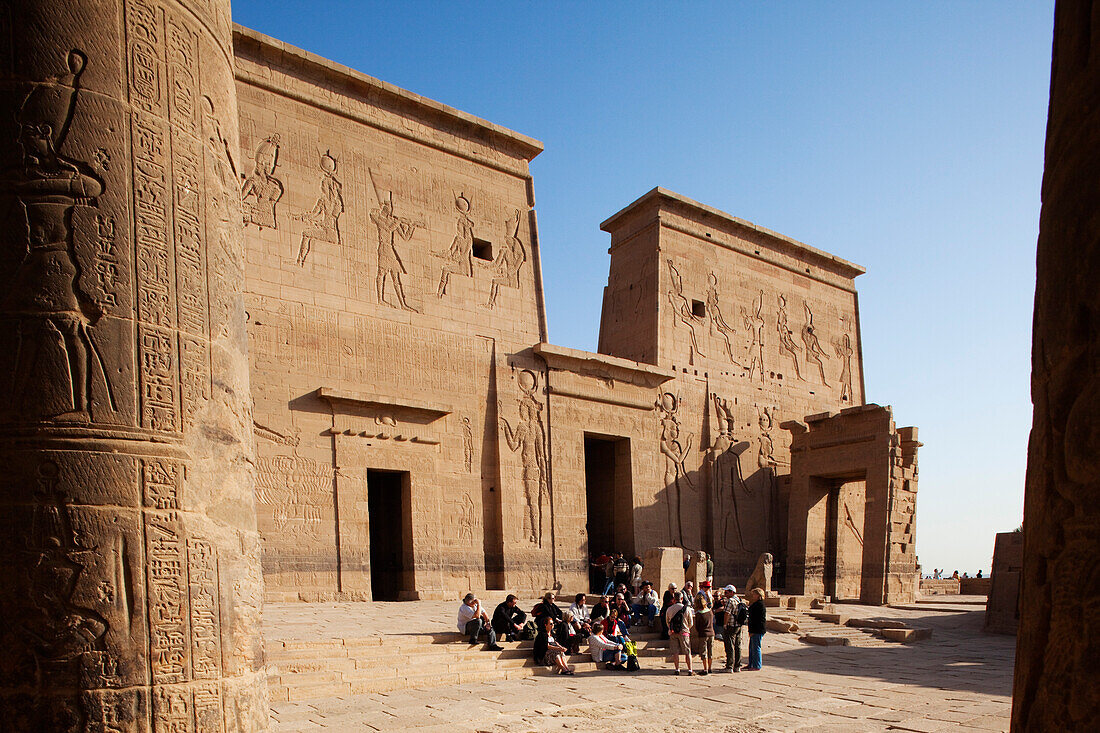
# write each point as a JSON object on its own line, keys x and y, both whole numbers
{"x": 472, "y": 620}
{"x": 582, "y": 619}
{"x": 645, "y": 604}
{"x": 680, "y": 617}
{"x": 603, "y": 649}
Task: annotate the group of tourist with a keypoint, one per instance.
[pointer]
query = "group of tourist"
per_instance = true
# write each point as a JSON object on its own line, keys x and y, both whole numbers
{"x": 605, "y": 628}
{"x": 937, "y": 574}
{"x": 609, "y": 571}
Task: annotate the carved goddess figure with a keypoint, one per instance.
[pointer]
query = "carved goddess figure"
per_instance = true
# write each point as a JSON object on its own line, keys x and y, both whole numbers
{"x": 529, "y": 440}
{"x": 786, "y": 337}
{"x": 814, "y": 352}
{"x": 389, "y": 262}
{"x": 675, "y": 454}
{"x": 755, "y": 323}
{"x": 726, "y": 476}
{"x": 508, "y": 261}
{"x": 681, "y": 308}
{"x": 717, "y": 321}
{"x": 262, "y": 190}
{"x": 324, "y": 220}
{"x": 53, "y": 344}
{"x": 843, "y": 348}
{"x": 460, "y": 257}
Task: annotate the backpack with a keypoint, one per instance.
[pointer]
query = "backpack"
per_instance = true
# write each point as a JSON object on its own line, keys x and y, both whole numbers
{"x": 676, "y": 624}
{"x": 632, "y": 663}
{"x": 529, "y": 631}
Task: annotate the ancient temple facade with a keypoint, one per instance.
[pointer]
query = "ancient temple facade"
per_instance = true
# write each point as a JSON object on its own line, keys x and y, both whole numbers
{"x": 417, "y": 436}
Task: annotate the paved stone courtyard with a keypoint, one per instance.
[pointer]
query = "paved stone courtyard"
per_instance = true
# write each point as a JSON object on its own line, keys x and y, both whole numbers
{"x": 959, "y": 680}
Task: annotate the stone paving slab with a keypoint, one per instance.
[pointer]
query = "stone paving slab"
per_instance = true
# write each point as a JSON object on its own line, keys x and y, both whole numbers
{"x": 960, "y": 680}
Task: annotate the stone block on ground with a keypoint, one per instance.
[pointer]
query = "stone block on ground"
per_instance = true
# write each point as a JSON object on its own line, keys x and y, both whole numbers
{"x": 822, "y": 640}
{"x": 906, "y": 636}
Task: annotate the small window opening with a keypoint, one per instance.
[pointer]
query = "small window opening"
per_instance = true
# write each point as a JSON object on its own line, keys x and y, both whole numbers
{"x": 483, "y": 250}
{"x": 698, "y": 309}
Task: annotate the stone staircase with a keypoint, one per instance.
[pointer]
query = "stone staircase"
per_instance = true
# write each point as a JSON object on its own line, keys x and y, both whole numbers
{"x": 311, "y": 670}
{"x": 829, "y": 626}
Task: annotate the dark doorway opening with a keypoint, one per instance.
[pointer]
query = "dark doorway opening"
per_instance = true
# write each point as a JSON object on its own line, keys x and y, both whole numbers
{"x": 388, "y": 509}
{"x": 610, "y": 494}
{"x": 831, "y": 527}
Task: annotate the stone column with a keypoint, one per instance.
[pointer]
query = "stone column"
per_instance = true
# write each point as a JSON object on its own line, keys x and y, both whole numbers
{"x": 1057, "y": 682}
{"x": 132, "y": 587}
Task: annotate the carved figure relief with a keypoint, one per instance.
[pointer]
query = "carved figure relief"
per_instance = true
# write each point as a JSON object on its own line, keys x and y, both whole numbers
{"x": 460, "y": 257}
{"x": 717, "y": 320}
{"x": 261, "y": 190}
{"x": 814, "y": 352}
{"x": 529, "y": 440}
{"x": 60, "y": 630}
{"x": 850, "y": 522}
{"x": 324, "y": 219}
{"x": 54, "y": 317}
{"x": 466, "y": 518}
{"x": 681, "y": 308}
{"x": 726, "y": 478}
{"x": 675, "y": 453}
{"x": 390, "y": 265}
{"x": 296, "y": 491}
{"x": 754, "y": 321}
{"x": 509, "y": 261}
{"x": 766, "y": 455}
{"x": 467, "y": 444}
{"x": 786, "y": 337}
{"x": 843, "y": 348}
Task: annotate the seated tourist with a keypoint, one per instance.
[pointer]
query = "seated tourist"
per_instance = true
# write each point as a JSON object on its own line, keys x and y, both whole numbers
{"x": 472, "y": 621}
{"x": 645, "y": 604}
{"x": 548, "y": 652}
{"x": 568, "y": 634}
{"x": 582, "y": 620}
{"x": 620, "y": 604}
{"x": 605, "y": 650}
{"x": 508, "y": 620}
{"x": 615, "y": 627}
{"x": 600, "y": 610}
{"x": 546, "y": 607}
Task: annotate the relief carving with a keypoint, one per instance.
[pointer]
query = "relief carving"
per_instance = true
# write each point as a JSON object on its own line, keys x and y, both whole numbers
{"x": 529, "y": 440}
{"x": 675, "y": 453}
{"x": 261, "y": 190}
{"x": 296, "y": 491}
{"x": 681, "y": 308}
{"x": 324, "y": 219}
{"x": 466, "y": 518}
{"x": 754, "y": 321}
{"x": 814, "y": 352}
{"x": 467, "y": 445}
{"x": 460, "y": 257}
{"x": 509, "y": 261}
{"x": 725, "y": 476}
{"x": 717, "y": 320}
{"x": 850, "y": 522}
{"x": 389, "y": 261}
{"x": 843, "y": 348}
{"x": 57, "y": 361}
{"x": 786, "y": 336}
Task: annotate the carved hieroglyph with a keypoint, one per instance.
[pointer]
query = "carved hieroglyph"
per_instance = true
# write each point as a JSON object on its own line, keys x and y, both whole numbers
{"x": 261, "y": 190}
{"x": 681, "y": 308}
{"x": 132, "y": 593}
{"x": 528, "y": 438}
{"x": 508, "y": 261}
{"x": 324, "y": 220}
{"x": 675, "y": 453}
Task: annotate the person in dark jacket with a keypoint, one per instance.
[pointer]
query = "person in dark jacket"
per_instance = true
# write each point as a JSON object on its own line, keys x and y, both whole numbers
{"x": 508, "y": 620}
{"x": 549, "y": 608}
{"x": 758, "y": 619}
{"x": 548, "y": 651}
{"x": 736, "y": 614}
{"x": 667, "y": 600}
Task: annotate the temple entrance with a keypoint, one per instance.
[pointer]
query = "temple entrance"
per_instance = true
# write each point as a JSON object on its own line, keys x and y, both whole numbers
{"x": 388, "y": 508}
{"x": 845, "y": 502}
{"x": 609, "y": 493}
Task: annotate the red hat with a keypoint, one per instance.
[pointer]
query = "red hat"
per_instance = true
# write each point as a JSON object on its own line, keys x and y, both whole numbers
{"x": 705, "y": 584}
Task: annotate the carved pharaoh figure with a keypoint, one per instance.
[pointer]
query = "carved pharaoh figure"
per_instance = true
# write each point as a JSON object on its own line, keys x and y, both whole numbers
{"x": 814, "y": 352}
{"x": 54, "y": 317}
{"x": 324, "y": 219}
{"x": 726, "y": 477}
{"x": 717, "y": 320}
{"x": 786, "y": 337}
{"x": 681, "y": 308}
{"x": 508, "y": 261}
{"x": 754, "y": 321}
{"x": 844, "y": 350}
{"x": 262, "y": 190}
{"x": 460, "y": 257}
{"x": 389, "y": 261}
{"x": 675, "y": 453}
{"x": 529, "y": 440}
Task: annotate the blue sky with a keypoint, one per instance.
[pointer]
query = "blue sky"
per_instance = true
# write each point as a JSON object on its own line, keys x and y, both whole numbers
{"x": 906, "y": 137}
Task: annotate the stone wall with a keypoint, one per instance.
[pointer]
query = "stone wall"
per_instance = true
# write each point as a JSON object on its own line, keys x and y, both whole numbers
{"x": 1002, "y": 610}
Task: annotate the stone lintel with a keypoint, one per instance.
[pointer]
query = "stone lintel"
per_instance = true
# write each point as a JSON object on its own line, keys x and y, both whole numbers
{"x": 602, "y": 365}
{"x": 660, "y": 199}
{"x": 369, "y": 399}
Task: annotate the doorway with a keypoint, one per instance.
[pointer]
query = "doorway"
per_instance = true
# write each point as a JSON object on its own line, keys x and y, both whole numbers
{"x": 388, "y": 510}
{"x": 609, "y": 494}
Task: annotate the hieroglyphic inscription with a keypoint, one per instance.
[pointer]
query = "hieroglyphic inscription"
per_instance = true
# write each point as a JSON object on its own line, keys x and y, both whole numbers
{"x": 296, "y": 490}
{"x": 202, "y": 576}
{"x": 167, "y": 595}
{"x": 172, "y": 710}
{"x": 208, "y": 709}
{"x": 161, "y": 480}
{"x": 107, "y": 272}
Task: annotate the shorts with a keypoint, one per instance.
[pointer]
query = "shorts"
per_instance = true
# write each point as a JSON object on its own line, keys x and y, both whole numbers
{"x": 706, "y": 646}
{"x": 680, "y": 644}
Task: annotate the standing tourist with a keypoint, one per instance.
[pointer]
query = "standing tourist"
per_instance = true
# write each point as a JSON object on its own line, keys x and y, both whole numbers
{"x": 667, "y": 600}
{"x": 758, "y": 619}
{"x": 636, "y": 574}
{"x": 679, "y": 617}
{"x": 736, "y": 614}
{"x": 704, "y": 625}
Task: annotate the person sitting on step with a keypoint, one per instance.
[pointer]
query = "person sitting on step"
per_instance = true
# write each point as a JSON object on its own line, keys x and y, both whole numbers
{"x": 645, "y": 604}
{"x": 472, "y": 621}
{"x": 614, "y": 627}
{"x": 605, "y": 650}
{"x": 600, "y": 610}
{"x": 548, "y": 652}
{"x": 508, "y": 619}
{"x": 582, "y": 619}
